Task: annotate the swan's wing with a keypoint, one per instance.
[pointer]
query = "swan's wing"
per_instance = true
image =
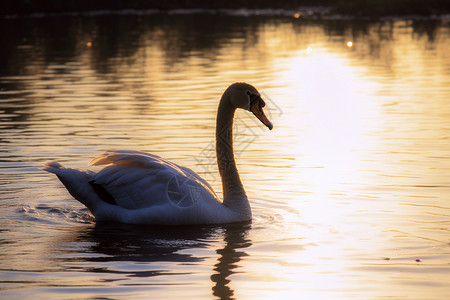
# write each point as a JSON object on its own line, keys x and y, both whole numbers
{"x": 137, "y": 180}
{"x": 191, "y": 173}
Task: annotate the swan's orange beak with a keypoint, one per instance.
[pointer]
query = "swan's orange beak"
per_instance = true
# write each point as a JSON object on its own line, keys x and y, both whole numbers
{"x": 259, "y": 113}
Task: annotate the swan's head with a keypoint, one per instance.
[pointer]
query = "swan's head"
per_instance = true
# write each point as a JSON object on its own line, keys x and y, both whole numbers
{"x": 246, "y": 96}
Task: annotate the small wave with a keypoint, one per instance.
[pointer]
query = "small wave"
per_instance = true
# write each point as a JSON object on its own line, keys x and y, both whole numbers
{"x": 53, "y": 215}
{"x": 274, "y": 218}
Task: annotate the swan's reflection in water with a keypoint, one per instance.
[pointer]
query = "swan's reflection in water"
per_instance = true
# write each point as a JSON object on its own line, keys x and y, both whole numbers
{"x": 229, "y": 257}
{"x": 109, "y": 243}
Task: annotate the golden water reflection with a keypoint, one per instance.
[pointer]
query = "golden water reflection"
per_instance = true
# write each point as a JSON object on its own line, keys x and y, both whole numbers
{"x": 348, "y": 190}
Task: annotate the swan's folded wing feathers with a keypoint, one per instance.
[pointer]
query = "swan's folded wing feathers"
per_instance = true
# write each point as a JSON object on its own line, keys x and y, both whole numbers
{"x": 202, "y": 181}
{"x": 137, "y": 175}
{"x": 109, "y": 157}
{"x": 137, "y": 180}
{"x": 107, "y": 175}
{"x": 134, "y": 188}
{"x": 104, "y": 159}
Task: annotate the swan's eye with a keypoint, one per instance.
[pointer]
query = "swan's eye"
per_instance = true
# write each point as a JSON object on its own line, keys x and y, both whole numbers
{"x": 253, "y": 98}
{"x": 249, "y": 100}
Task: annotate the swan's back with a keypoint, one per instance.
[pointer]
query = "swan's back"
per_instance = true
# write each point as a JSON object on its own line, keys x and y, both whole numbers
{"x": 138, "y": 180}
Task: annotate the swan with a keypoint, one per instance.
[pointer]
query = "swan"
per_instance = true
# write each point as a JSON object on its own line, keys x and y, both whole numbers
{"x": 141, "y": 188}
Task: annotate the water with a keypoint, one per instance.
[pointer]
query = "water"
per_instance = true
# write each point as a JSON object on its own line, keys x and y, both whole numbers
{"x": 349, "y": 191}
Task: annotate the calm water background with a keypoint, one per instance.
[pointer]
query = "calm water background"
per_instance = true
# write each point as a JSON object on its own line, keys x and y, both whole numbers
{"x": 350, "y": 191}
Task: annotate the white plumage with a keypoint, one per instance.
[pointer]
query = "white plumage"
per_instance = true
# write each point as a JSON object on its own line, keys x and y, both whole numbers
{"x": 141, "y": 188}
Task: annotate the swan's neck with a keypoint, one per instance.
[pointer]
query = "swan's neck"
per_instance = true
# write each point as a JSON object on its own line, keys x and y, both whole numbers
{"x": 234, "y": 195}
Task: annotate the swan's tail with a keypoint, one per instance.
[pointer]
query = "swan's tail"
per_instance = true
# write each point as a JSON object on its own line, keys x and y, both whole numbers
{"x": 77, "y": 183}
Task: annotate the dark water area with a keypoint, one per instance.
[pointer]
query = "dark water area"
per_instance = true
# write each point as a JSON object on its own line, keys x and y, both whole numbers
{"x": 349, "y": 191}
{"x": 177, "y": 36}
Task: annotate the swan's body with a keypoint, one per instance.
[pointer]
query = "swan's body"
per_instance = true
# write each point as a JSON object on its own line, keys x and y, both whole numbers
{"x": 141, "y": 188}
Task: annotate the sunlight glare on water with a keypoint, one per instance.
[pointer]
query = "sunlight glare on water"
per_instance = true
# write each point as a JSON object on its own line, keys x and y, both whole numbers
{"x": 349, "y": 191}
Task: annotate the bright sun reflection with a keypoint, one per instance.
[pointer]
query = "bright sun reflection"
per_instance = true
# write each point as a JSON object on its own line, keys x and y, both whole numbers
{"x": 332, "y": 114}
{"x": 327, "y": 119}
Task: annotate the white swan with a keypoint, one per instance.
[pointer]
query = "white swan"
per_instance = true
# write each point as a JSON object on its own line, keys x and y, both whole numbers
{"x": 141, "y": 188}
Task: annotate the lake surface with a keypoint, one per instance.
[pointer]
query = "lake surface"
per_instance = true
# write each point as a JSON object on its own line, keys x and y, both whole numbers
{"x": 350, "y": 191}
